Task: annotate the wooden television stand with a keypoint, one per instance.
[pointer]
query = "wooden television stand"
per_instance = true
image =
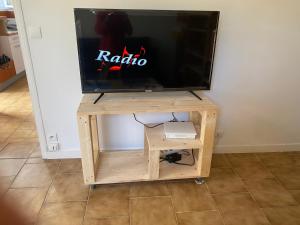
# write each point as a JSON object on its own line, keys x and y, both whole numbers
{"x": 104, "y": 167}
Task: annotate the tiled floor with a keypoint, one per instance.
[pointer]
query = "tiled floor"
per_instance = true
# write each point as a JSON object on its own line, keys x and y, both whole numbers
{"x": 244, "y": 189}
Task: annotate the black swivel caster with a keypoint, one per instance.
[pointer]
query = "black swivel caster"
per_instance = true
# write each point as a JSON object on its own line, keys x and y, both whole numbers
{"x": 200, "y": 180}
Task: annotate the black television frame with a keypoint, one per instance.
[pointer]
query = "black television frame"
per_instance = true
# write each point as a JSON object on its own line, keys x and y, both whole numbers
{"x": 190, "y": 89}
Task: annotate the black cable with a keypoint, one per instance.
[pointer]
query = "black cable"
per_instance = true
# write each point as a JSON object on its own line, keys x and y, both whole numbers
{"x": 173, "y": 120}
{"x": 186, "y": 164}
{"x": 174, "y": 117}
{"x": 182, "y": 164}
{"x": 144, "y": 123}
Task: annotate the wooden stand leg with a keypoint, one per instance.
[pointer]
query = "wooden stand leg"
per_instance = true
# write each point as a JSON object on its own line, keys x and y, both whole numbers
{"x": 195, "y": 117}
{"x": 153, "y": 164}
{"x": 208, "y": 125}
{"x": 146, "y": 147}
{"x": 95, "y": 139}
{"x": 84, "y": 126}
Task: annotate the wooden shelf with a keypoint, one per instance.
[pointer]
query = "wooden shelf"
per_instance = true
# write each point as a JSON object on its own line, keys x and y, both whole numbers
{"x": 168, "y": 171}
{"x": 157, "y": 140}
{"x": 126, "y": 103}
{"x": 132, "y": 166}
{"x": 121, "y": 166}
{"x": 103, "y": 167}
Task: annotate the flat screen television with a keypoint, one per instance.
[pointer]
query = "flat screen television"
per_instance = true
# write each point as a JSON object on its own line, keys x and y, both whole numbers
{"x": 122, "y": 50}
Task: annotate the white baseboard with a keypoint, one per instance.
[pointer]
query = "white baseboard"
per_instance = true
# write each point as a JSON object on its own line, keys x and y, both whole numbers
{"x": 63, "y": 154}
{"x": 257, "y": 148}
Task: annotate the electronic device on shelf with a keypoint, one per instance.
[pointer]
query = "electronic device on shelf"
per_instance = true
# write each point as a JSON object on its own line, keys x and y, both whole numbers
{"x": 123, "y": 50}
{"x": 184, "y": 130}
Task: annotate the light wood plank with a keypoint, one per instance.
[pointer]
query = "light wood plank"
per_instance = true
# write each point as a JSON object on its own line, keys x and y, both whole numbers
{"x": 122, "y": 166}
{"x": 95, "y": 139}
{"x": 125, "y": 103}
{"x": 84, "y": 126}
{"x": 129, "y": 166}
{"x": 153, "y": 164}
{"x": 157, "y": 140}
{"x": 146, "y": 146}
{"x": 172, "y": 171}
{"x": 208, "y": 126}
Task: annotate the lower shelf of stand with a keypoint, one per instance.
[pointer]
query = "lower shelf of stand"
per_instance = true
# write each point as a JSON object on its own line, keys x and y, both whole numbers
{"x": 131, "y": 166}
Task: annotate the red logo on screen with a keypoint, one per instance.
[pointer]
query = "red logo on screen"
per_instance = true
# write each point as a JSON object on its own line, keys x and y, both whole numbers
{"x": 127, "y": 59}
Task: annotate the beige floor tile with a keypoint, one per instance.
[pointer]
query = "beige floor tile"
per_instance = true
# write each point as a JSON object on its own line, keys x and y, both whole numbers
{"x": 5, "y": 183}
{"x": 36, "y": 153}
{"x": 27, "y": 126}
{"x": 40, "y": 160}
{"x": 219, "y": 161}
{"x": 35, "y": 175}
{"x": 295, "y": 194}
{"x": 253, "y": 172}
{"x": 148, "y": 189}
{"x": 70, "y": 213}
{"x": 188, "y": 196}
{"x": 3, "y": 138}
{"x": 296, "y": 159}
{"x": 254, "y": 217}
{"x": 108, "y": 201}
{"x": 70, "y": 166}
{"x": 235, "y": 202}
{"x": 20, "y": 133}
{"x": 243, "y": 159}
{"x": 17, "y": 150}
{"x": 275, "y": 159}
{"x": 153, "y": 210}
{"x": 68, "y": 187}
{"x": 2, "y": 144}
{"x": 288, "y": 176}
{"x": 283, "y": 215}
{"x": 224, "y": 180}
{"x": 28, "y": 201}
{"x": 10, "y": 167}
{"x": 122, "y": 220}
{"x": 22, "y": 140}
{"x": 200, "y": 218}
{"x": 269, "y": 193}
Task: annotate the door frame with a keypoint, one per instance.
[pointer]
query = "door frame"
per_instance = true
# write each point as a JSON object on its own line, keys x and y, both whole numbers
{"x": 30, "y": 74}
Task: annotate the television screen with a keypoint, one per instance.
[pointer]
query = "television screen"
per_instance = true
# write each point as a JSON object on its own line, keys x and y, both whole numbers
{"x": 145, "y": 50}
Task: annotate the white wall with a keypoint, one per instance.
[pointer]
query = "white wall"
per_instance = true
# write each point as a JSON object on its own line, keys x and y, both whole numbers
{"x": 255, "y": 80}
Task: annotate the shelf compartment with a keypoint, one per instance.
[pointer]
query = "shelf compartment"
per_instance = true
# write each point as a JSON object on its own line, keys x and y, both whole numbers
{"x": 121, "y": 166}
{"x": 158, "y": 142}
{"x": 169, "y": 171}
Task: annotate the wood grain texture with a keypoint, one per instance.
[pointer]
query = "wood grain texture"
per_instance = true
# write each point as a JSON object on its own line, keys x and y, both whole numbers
{"x": 207, "y": 135}
{"x": 86, "y": 147}
{"x": 128, "y": 166}
{"x": 153, "y": 165}
{"x": 158, "y": 142}
{"x": 126, "y": 103}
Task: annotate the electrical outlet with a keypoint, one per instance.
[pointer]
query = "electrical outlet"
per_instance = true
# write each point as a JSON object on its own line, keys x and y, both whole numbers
{"x": 52, "y": 138}
{"x": 53, "y": 147}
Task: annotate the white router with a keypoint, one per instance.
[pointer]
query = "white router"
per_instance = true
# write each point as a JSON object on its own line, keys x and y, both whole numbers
{"x": 185, "y": 130}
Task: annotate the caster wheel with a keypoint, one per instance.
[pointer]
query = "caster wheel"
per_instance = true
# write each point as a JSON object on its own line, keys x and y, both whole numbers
{"x": 93, "y": 186}
{"x": 199, "y": 180}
